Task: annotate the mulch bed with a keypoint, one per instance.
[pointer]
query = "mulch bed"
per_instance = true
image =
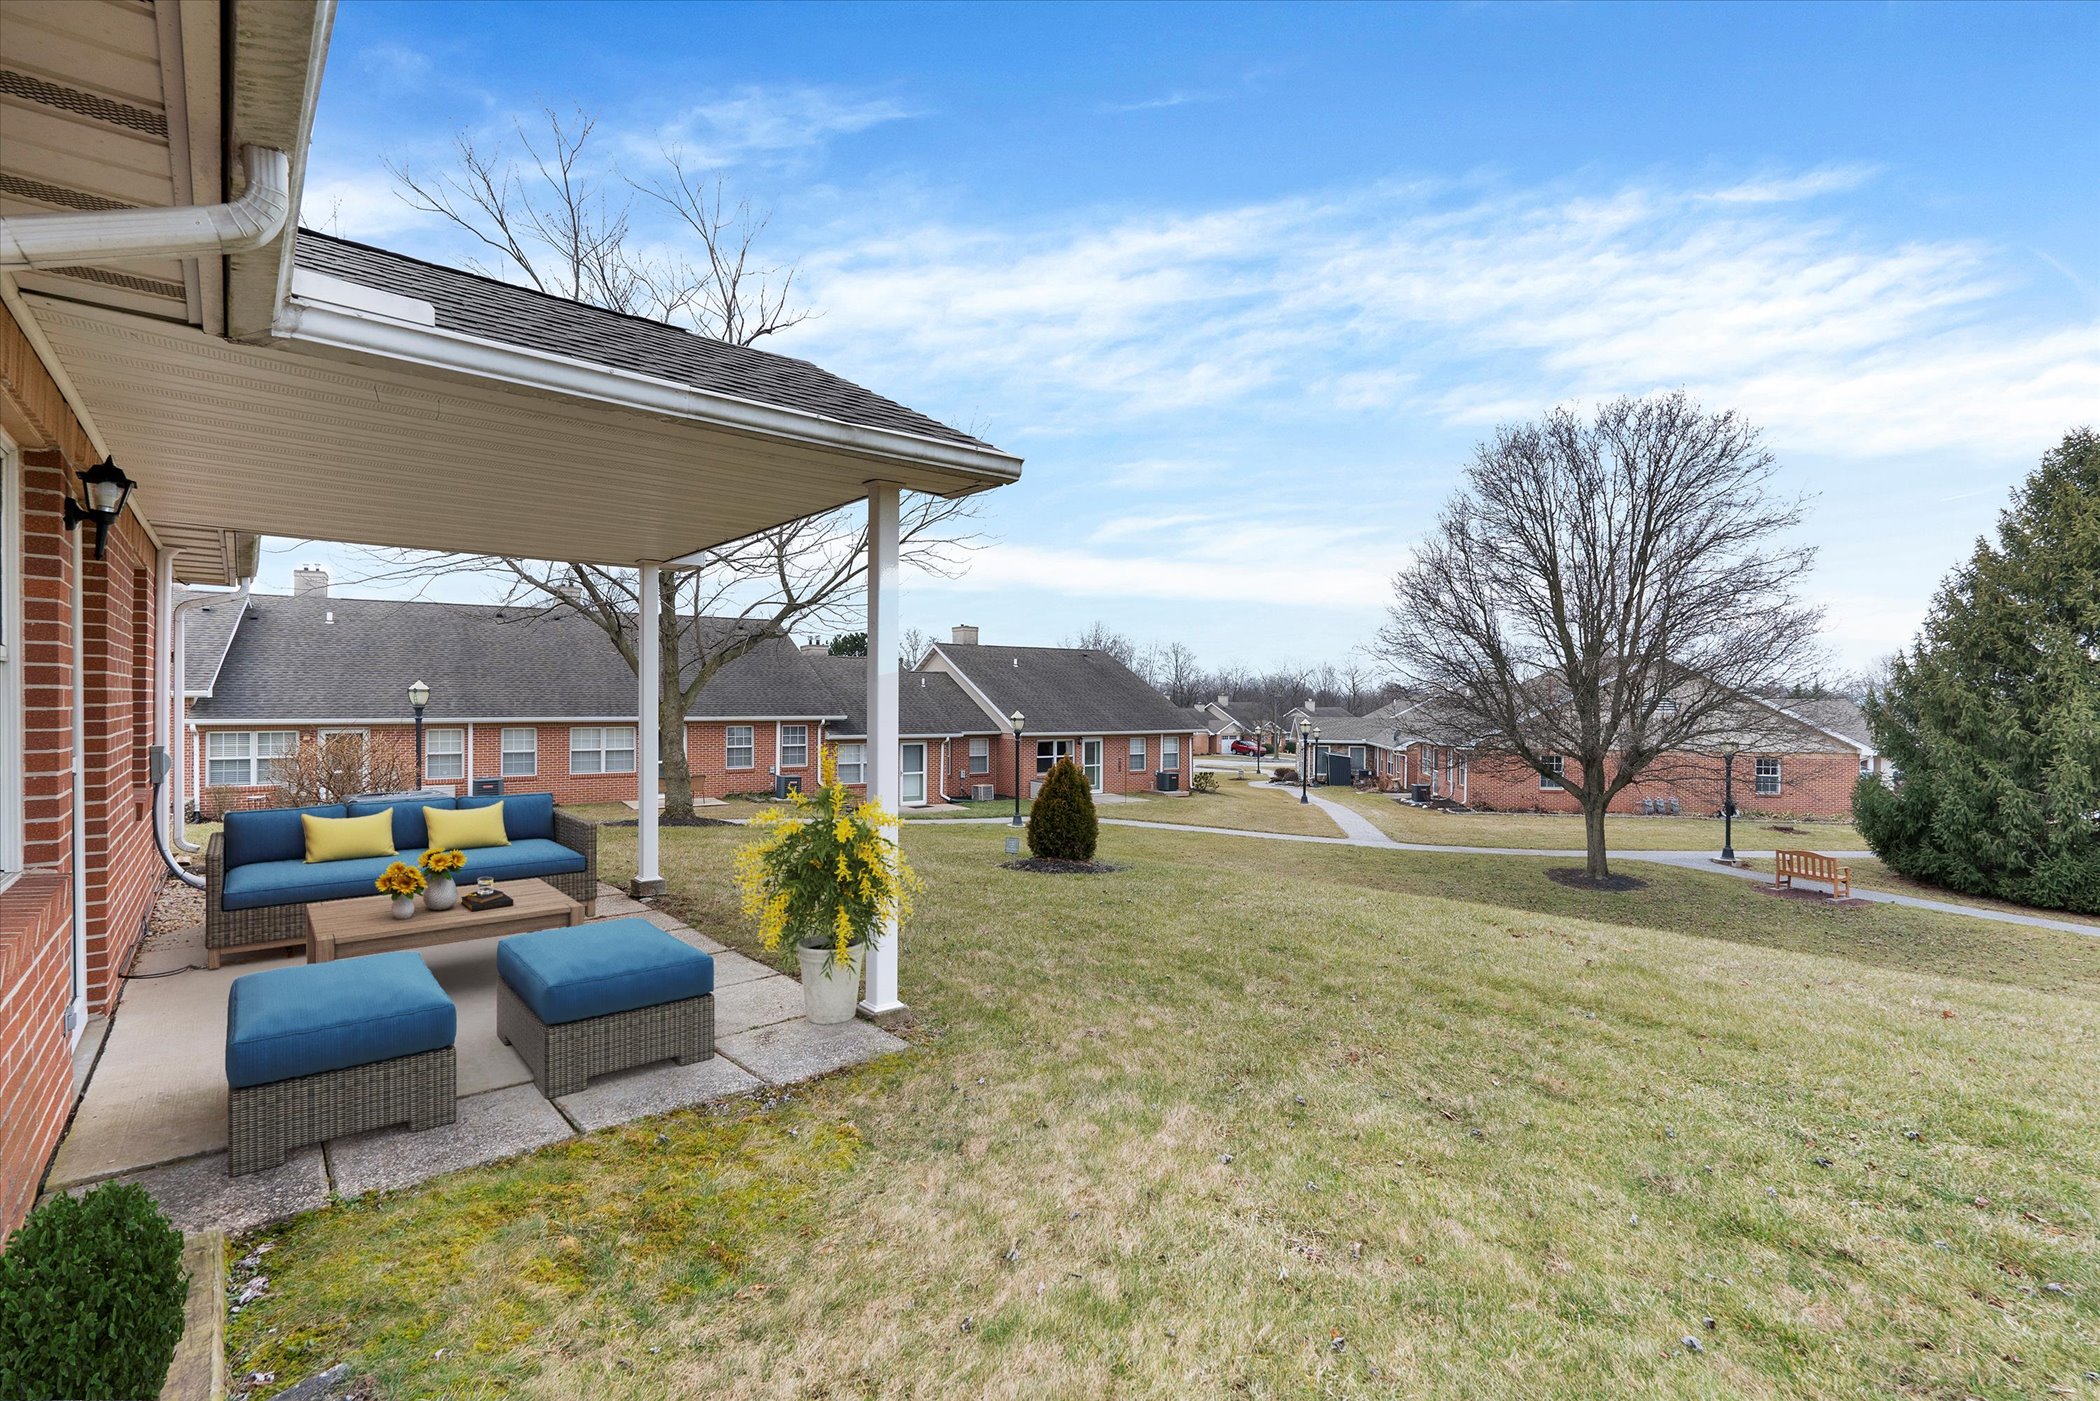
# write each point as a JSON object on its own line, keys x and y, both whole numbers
{"x": 1575, "y": 878}
{"x": 1797, "y": 893}
{"x": 675, "y": 822}
{"x": 1052, "y": 866}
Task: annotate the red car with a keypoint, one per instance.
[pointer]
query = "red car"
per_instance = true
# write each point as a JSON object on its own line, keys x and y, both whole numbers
{"x": 1246, "y": 746}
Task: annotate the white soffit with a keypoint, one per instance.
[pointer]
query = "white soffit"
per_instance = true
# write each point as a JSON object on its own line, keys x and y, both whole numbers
{"x": 338, "y": 444}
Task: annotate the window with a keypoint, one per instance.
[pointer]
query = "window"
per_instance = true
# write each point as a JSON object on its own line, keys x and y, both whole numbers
{"x": 242, "y": 758}
{"x": 445, "y": 754}
{"x": 981, "y": 754}
{"x": 853, "y": 763}
{"x": 1137, "y": 753}
{"x": 10, "y": 667}
{"x": 1668, "y": 709}
{"x": 742, "y": 747}
{"x": 1170, "y": 753}
{"x": 1767, "y": 778}
{"x": 1048, "y": 752}
{"x": 521, "y": 753}
{"x": 1866, "y": 766}
{"x": 794, "y": 746}
{"x": 601, "y": 749}
{"x": 1551, "y": 771}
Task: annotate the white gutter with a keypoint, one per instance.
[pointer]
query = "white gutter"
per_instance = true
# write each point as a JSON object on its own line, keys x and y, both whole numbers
{"x": 77, "y": 980}
{"x": 188, "y": 231}
{"x": 305, "y": 321}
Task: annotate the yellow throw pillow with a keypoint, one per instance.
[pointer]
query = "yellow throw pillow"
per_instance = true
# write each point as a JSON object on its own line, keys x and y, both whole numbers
{"x": 466, "y": 828}
{"x": 348, "y": 838}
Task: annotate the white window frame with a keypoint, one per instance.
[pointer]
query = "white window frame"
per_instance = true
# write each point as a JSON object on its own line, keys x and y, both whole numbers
{"x": 852, "y": 760}
{"x": 782, "y": 744}
{"x": 1559, "y": 765}
{"x": 431, "y": 753}
{"x": 11, "y": 664}
{"x": 506, "y": 751}
{"x": 730, "y": 746}
{"x": 980, "y": 754}
{"x": 596, "y": 741}
{"x": 1758, "y": 777}
{"x": 1170, "y": 753}
{"x": 1044, "y": 762}
{"x": 251, "y": 758}
{"x": 1137, "y": 754}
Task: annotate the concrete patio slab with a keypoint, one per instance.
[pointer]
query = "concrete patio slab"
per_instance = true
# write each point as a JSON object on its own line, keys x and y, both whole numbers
{"x": 671, "y": 924}
{"x": 655, "y": 1089}
{"x": 198, "y": 1196}
{"x": 467, "y": 973}
{"x": 732, "y": 968}
{"x": 759, "y": 1002}
{"x": 498, "y": 1124}
{"x": 789, "y": 1051}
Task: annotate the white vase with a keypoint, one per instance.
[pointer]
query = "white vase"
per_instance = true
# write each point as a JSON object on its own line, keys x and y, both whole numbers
{"x": 442, "y": 894}
{"x": 404, "y": 906}
{"x": 830, "y": 991}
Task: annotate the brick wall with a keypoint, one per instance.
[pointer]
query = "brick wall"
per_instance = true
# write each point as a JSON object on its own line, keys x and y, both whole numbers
{"x": 1811, "y": 784}
{"x": 36, "y": 1073}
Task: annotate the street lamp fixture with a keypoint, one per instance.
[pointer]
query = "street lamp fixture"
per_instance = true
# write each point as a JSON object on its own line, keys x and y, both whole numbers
{"x": 105, "y": 488}
{"x": 1306, "y": 734}
{"x": 1018, "y": 721}
{"x": 419, "y": 696}
{"x": 1728, "y": 752}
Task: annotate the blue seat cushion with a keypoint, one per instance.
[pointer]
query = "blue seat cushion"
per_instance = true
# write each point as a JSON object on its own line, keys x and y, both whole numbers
{"x": 409, "y": 828}
{"x": 296, "y": 882}
{"x": 271, "y": 834}
{"x": 525, "y": 815}
{"x": 595, "y": 970}
{"x": 288, "y": 1022}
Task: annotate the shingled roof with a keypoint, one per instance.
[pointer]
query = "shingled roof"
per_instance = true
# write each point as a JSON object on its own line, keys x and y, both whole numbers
{"x": 489, "y": 309}
{"x": 317, "y": 658}
{"x": 1065, "y": 690}
{"x": 929, "y": 703}
{"x": 207, "y": 632}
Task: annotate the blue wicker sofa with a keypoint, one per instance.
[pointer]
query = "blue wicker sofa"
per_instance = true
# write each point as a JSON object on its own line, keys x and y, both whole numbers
{"x": 258, "y": 881}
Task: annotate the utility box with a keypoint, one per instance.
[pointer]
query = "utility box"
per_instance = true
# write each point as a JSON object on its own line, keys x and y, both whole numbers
{"x": 1166, "y": 781}
{"x": 982, "y": 792}
{"x": 1421, "y": 792}
{"x": 1341, "y": 772}
{"x": 786, "y": 783}
{"x": 488, "y": 787}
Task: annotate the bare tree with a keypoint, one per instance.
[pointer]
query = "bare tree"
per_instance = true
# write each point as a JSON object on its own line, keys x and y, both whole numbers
{"x": 913, "y": 645}
{"x": 1100, "y": 637}
{"x": 1177, "y": 675}
{"x": 558, "y": 221}
{"x": 335, "y": 768}
{"x": 1604, "y": 592}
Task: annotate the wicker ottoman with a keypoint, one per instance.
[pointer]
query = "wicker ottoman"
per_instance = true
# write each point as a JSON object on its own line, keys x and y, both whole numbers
{"x": 322, "y": 1050}
{"x": 593, "y": 998}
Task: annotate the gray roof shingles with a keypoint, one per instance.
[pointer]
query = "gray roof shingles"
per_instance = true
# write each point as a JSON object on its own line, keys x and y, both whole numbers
{"x": 489, "y": 309}
{"x": 207, "y": 632}
{"x": 1066, "y": 690}
{"x": 928, "y": 702}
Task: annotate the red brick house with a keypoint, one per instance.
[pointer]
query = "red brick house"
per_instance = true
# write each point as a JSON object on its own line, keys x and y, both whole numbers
{"x": 161, "y": 312}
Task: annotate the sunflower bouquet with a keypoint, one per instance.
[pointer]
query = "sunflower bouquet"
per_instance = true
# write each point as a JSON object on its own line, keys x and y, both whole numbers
{"x": 443, "y": 863}
{"x": 826, "y": 871}
{"x": 401, "y": 879}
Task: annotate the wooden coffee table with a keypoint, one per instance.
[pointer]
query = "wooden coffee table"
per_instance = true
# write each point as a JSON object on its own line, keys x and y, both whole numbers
{"x": 345, "y": 928}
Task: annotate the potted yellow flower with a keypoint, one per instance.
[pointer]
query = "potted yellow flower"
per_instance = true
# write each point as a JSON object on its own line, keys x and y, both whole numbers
{"x": 404, "y": 882}
{"x": 827, "y": 875}
{"x": 441, "y": 866}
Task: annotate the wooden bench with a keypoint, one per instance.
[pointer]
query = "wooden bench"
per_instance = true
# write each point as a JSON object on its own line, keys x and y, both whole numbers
{"x": 1810, "y": 865}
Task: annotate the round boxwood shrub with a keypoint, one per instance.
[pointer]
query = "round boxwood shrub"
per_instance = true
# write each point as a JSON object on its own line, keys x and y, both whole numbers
{"x": 1061, "y": 824}
{"x": 91, "y": 1297}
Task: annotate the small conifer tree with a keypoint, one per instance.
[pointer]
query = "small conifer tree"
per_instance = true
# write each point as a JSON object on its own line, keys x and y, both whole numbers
{"x": 1062, "y": 825}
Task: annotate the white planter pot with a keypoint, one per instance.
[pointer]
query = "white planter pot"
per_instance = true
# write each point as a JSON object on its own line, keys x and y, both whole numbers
{"x": 404, "y": 906}
{"x": 441, "y": 895}
{"x": 830, "y": 992}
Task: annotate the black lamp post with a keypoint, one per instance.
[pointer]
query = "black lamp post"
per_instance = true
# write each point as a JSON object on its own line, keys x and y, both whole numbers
{"x": 106, "y": 487}
{"x": 1018, "y": 720}
{"x": 1728, "y": 750}
{"x": 419, "y": 696}
{"x": 1306, "y": 734}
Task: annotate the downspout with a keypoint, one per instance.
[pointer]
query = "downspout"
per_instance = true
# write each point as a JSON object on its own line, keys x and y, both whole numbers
{"x": 76, "y": 1003}
{"x": 190, "y": 231}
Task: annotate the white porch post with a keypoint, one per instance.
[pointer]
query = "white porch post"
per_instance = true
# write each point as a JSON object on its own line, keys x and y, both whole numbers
{"x": 885, "y": 755}
{"x": 648, "y": 662}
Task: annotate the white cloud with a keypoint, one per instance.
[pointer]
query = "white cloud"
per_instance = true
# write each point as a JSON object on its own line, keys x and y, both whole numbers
{"x": 1176, "y": 98}
{"x": 769, "y": 124}
{"x": 1411, "y": 300}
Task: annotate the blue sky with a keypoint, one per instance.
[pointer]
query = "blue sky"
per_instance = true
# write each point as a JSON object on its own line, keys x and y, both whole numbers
{"x": 1245, "y": 284}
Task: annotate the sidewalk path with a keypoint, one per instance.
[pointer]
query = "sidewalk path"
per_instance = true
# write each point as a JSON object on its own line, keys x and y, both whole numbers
{"x": 1359, "y": 831}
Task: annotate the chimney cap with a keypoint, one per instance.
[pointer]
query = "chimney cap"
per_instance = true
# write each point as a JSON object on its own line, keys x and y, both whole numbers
{"x": 963, "y": 634}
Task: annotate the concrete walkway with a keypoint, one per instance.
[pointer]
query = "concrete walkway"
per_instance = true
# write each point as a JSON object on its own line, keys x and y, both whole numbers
{"x": 154, "y": 1106}
{"x": 1359, "y": 831}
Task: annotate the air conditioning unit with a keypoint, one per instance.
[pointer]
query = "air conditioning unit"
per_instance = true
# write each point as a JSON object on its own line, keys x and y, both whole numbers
{"x": 982, "y": 793}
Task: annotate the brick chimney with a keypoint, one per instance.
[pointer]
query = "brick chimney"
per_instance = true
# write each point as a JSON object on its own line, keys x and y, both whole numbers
{"x": 309, "y": 581}
{"x": 963, "y": 635}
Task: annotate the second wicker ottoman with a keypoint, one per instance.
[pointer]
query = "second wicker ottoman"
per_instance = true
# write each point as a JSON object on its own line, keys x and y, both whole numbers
{"x": 592, "y": 998}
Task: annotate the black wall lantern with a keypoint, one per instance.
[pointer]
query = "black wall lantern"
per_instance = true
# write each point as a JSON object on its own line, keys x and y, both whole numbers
{"x": 106, "y": 488}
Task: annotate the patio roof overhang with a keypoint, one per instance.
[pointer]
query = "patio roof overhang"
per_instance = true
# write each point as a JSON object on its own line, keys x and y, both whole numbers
{"x": 359, "y": 427}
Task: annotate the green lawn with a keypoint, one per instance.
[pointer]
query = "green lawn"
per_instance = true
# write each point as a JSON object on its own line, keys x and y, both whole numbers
{"x": 1550, "y": 832}
{"x": 1169, "y": 1132}
{"x": 1868, "y": 873}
